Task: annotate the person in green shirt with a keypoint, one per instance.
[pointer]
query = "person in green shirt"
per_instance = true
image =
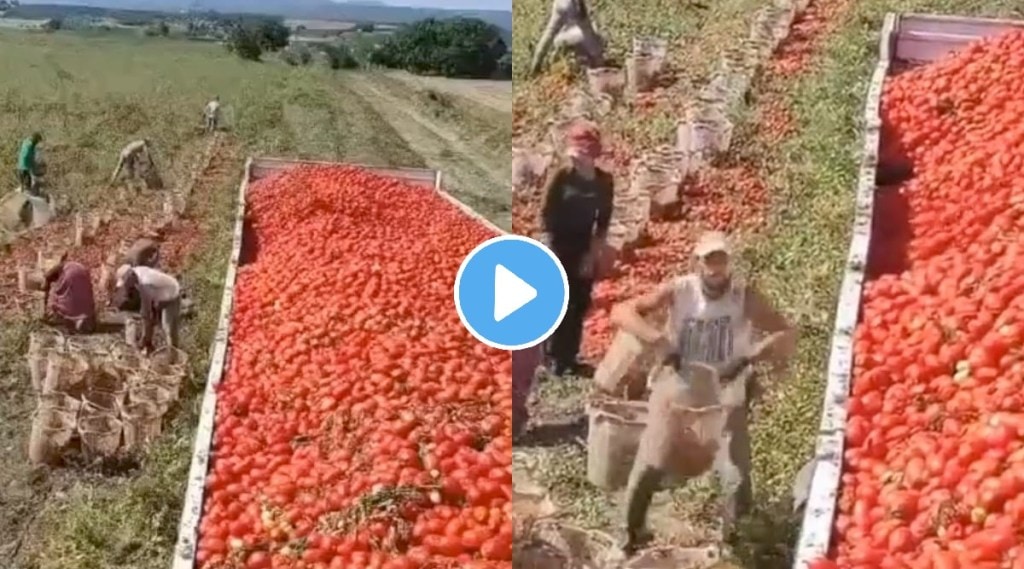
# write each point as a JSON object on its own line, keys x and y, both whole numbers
{"x": 27, "y": 162}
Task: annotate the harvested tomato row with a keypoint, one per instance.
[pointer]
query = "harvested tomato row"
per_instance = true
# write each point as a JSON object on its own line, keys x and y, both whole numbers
{"x": 934, "y": 466}
{"x": 359, "y": 424}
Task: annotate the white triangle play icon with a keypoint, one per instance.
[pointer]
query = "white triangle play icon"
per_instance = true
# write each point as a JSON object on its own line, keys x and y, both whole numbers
{"x": 510, "y": 293}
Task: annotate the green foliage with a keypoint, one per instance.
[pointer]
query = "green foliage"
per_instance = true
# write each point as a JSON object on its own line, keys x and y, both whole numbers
{"x": 366, "y": 28}
{"x": 339, "y": 57}
{"x": 249, "y": 38}
{"x": 505, "y": 66}
{"x": 245, "y": 44}
{"x": 158, "y": 29}
{"x": 459, "y": 47}
{"x": 53, "y": 24}
{"x": 297, "y": 55}
{"x": 273, "y": 34}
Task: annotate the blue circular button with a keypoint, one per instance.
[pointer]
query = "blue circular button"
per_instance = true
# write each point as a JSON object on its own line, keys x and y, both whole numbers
{"x": 511, "y": 292}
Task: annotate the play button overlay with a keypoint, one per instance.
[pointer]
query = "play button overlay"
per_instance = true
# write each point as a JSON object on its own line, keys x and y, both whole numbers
{"x": 511, "y": 292}
{"x": 515, "y": 293}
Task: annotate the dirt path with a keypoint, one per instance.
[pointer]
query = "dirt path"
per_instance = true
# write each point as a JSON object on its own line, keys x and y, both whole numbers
{"x": 470, "y": 176}
{"x": 494, "y": 94}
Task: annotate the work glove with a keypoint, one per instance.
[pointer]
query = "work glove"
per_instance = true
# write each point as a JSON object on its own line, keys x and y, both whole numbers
{"x": 734, "y": 368}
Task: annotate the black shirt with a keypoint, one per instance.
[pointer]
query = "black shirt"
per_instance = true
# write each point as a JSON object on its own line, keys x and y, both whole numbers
{"x": 576, "y": 210}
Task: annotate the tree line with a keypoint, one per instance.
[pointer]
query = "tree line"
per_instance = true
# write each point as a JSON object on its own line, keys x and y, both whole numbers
{"x": 456, "y": 47}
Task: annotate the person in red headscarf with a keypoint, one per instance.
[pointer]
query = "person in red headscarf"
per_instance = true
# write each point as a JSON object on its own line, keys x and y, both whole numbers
{"x": 575, "y": 217}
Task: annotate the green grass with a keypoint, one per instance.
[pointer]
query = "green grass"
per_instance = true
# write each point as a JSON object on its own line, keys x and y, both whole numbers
{"x": 89, "y": 96}
{"x": 799, "y": 261}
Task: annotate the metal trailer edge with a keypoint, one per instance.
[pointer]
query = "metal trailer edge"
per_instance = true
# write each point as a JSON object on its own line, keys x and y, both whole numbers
{"x": 905, "y": 38}
{"x": 256, "y": 168}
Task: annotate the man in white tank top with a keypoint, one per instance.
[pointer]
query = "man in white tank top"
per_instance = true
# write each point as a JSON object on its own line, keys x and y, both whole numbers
{"x": 160, "y": 298}
{"x": 712, "y": 317}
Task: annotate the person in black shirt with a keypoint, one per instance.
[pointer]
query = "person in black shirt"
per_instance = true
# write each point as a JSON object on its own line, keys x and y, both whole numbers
{"x": 576, "y": 214}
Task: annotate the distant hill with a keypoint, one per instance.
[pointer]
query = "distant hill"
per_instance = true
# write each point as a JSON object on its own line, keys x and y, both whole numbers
{"x": 369, "y": 11}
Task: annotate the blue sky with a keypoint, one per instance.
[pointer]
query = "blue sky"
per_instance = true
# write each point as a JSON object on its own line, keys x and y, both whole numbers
{"x": 456, "y": 4}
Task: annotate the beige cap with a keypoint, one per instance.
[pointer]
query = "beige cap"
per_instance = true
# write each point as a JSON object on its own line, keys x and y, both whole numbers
{"x": 712, "y": 242}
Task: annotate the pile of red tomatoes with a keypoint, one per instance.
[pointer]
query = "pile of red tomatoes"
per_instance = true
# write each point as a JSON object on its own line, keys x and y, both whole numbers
{"x": 359, "y": 425}
{"x": 934, "y": 463}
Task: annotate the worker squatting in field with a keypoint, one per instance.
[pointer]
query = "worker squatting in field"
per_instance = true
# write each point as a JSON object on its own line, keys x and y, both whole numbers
{"x": 570, "y": 27}
{"x": 136, "y": 163}
{"x": 713, "y": 315}
{"x": 159, "y": 296}
{"x": 211, "y": 116}
{"x": 68, "y": 298}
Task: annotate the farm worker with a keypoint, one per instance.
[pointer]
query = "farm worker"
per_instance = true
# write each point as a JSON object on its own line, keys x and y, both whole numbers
{"x": 144, "y": 252}
{"x": 575, "y": 217}
{"x": 570, "y": 27}
{"x": 212, "y": 114}
{"x": 27, "y": 162}
{"x": 524, "y": 372}
{"x": 133, "y": 157}
{"x": 159, "y": 297}
{"x": 712, "y": 317}
{"x": 72, "y": 304}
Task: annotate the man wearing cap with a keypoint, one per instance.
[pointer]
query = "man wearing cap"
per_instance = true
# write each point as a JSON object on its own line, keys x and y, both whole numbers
{"x": 159, "y": 298}
{"x": 713, "y": 316}
{"x": 72, "y": 303}
{"x": 575, "y": 217}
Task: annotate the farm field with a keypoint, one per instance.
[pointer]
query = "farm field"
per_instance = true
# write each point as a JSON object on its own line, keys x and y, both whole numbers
{"x": 786, "y": 187}
{"x": 89, "y": 96}
{"x": 450, "y": 122}
{"x": 494, "y": 94}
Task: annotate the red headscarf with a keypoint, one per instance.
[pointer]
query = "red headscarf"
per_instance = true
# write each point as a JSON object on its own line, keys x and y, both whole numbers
{"x": 584, "y": 137}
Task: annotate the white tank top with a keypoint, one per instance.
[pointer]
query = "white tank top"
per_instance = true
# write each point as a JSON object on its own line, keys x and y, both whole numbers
{"x": 709, "y": 331}
{"x": 162, "y": 286}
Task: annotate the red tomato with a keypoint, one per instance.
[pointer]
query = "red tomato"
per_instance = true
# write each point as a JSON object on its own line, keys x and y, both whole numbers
{"x": 332, "y": 391}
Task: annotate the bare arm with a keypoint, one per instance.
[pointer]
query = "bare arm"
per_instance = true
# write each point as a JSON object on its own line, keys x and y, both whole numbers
{"x": 559, "y": 10}
{"x": 780, "y": 343}
{"x": 117, "y": 170}
{"x": 631, "y": 315}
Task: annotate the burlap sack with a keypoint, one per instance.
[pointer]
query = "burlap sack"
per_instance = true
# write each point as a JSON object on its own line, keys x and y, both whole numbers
{"x": 685, "y": 421}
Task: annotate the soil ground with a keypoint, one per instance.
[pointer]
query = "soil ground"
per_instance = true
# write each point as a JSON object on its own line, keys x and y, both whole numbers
{"x": 89, "y": 96}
